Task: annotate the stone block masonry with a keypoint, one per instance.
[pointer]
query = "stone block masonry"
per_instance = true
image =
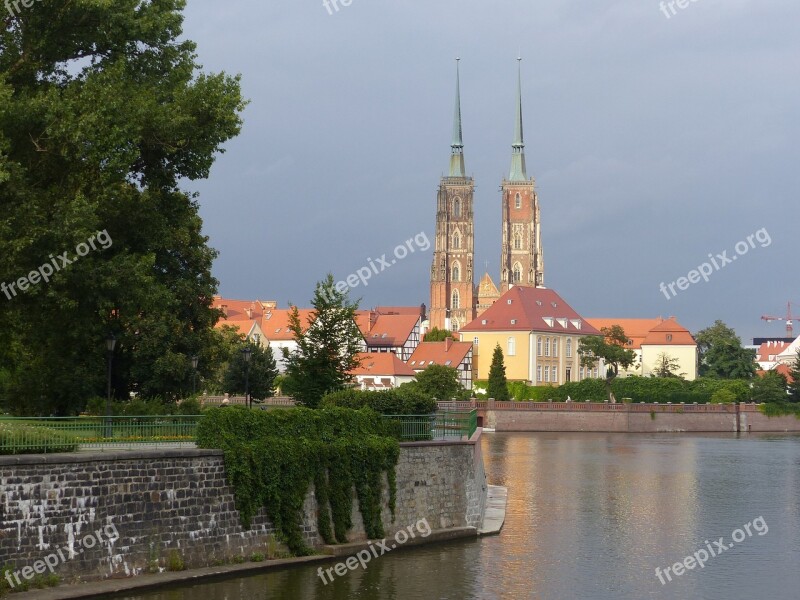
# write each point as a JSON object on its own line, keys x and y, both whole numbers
{"x": 179, "y": 501}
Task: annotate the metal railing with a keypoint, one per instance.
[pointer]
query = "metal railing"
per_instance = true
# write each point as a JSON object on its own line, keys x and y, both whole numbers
{"x": 443, "y": 425}
{"x": 20, "y": 435}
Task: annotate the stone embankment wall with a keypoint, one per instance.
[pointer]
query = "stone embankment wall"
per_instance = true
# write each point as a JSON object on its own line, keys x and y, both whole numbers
{"x": 177, "y": 503}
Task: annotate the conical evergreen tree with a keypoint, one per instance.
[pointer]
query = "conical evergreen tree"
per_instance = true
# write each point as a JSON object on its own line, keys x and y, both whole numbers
{"x": 498, "y": 384}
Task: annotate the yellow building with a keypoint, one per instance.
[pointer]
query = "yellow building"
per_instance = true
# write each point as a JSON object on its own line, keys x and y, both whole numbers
{"x": 652, "y": 338}
{"x": 539, "y": 334}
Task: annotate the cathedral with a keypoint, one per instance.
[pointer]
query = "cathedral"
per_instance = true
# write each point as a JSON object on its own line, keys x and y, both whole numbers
{"x": 455, "y": 298}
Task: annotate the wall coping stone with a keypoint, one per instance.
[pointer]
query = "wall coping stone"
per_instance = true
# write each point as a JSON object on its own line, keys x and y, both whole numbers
{"x": 112, "y": 456}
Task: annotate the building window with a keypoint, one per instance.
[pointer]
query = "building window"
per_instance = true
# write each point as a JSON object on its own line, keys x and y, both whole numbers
{"x": 512, "y": 346}
{"x": 596, "y": 373}
{"x": 555, "y": 374}
{"x": 456, "y": 303}
{"x": 456, "y": 273}
{"x": 580, "y": 374}
{"x": 517, "y": 275}
{"x": 517, "y": 242}
{"x": 547, "y": 374}
{"x": 555, "y": 346}
{"x": 538, "y": 345}
{"x": 518, "y": 201}
{"x": 457, "y": 208}
{"x": 539, "y": 373}
{"x": 669, "y": 337}
{"x": 569, "y": 347}
{"x": 475, "y": 341}
{"x": 547, "y": 346}
{"x": 456, "y": 241}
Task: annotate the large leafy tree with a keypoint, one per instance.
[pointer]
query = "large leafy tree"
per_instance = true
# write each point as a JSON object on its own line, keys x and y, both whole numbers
{"x": 327, "y": 346}
{"x": 437, "y": 381}
{"x": 498, "y": 384}
{"x": 439, "y": 335}
{"x": 770, "y": 387}
{"x": 722, "y": 354}
{"x": 611, "y": 348}
{"x": 257, "y": 376}
{"x": 103, "y": 115}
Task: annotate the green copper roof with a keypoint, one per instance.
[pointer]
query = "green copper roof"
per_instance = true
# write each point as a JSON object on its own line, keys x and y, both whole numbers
{"x": 518, "y": 171}
{"x": 457, "y": 147}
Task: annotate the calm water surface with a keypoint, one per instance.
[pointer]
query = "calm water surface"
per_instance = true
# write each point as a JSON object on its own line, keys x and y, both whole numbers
{"x": 591, "y": 516}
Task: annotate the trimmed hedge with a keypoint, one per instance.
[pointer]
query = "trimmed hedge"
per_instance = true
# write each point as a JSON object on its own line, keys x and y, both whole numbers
{"x": 398, "y": 401}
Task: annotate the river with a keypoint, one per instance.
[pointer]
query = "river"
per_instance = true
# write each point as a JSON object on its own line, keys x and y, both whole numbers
{"x": 591, "y": 516}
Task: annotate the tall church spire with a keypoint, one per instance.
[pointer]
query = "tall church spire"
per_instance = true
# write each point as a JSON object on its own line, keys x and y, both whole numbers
{"x": 457, "y": 147}
{"x": 518, "y": 171}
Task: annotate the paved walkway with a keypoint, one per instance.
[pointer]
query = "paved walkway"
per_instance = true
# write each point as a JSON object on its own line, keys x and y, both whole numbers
{"x": 495, "y": 514}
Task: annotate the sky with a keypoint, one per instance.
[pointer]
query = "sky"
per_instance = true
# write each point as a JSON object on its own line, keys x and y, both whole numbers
{"x": 657, "y": 136}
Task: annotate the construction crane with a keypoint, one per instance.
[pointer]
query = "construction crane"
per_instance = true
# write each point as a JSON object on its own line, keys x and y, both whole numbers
{"x": 788, "y": 318}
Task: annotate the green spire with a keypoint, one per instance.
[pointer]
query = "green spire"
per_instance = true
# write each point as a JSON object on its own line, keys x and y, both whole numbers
{"x": 518, "y": 171}
{"x": 457, "y": 147}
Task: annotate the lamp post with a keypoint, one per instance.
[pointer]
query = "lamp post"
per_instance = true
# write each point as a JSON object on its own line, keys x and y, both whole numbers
{"x": 195, "y": 362}
{"x": 247, "y": 352}
{"x": 111, "y": 343}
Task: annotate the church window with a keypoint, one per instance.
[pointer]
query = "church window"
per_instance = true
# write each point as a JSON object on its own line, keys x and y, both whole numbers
{"x": 457, "y": 208}
{"x": 456, "y": 299}
{"x": 456, "y": 241}
{"x": 456, "y": 273}
{"x": 517, "y": 242}
{"x": 518, "y": 201}
{"x": 517, "y": 277}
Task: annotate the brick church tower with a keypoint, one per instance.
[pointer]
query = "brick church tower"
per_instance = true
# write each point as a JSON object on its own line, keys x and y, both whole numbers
{"x": 522, "y": 260}
{"x": 452, "y": 285}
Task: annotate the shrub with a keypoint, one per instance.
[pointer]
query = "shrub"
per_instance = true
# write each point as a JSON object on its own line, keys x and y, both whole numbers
{"x": 18, "y": 438}
{"x": 405, "y": 400}
{"x": 723, "y": 396}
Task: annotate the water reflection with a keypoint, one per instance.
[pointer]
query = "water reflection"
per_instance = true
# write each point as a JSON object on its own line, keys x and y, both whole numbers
{"x": 590, "y": 516}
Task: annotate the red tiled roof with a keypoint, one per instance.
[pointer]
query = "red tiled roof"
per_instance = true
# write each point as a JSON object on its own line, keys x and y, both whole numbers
{"x": 531, "y": 309}
{"x": 439, "y": 353}
{"x": 768, "y": 349}
{"x": 782, "y": 369}
{"x": 650, "y": 332}
{"x": 386, "y": 330}
{"x": 399, "y": 310}
{"x": 274, "y": 322}
{"x": 382, "y": 363}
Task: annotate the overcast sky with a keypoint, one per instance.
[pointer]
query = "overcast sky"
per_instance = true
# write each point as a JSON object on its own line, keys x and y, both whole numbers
{"x": 654, "y": 142}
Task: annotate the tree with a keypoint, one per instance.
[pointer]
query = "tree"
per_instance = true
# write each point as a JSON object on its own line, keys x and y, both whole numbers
{"x": 261, "y": 379}
{"x": 327, "y": 346}
{"x": 498, "y": 384}
{"x": 794, "y": 386}
{"x": 770, "y": 388}
{"x": 437, "y": 381}
{"x": 104, "y": 115}
{"x": 439, "y": 335}
{"x": 722, "y": 354}
{"x": 610, "y": 347}
{"x": 666, "y": 366}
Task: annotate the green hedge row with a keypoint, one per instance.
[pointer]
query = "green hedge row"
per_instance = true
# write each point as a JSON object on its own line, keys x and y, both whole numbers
{"x": 398, "y": 401}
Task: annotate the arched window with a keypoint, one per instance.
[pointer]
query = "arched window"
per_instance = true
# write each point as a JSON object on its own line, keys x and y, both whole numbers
{"x": 518, "y": 201}
{"x": 456, "y": 241}
{"x": 538, "y": 345}
{"x": 457, "y": 208}
{"x": 517, "y": 277}
{"x": 454, "y": 325}
{"x": 456, "y": 303}
{"x": 547, "y": 346}
{"x": 456, "y": 272}
{"x": 517, "y": 242}
{"x": 569, "y": 347}
{"x": 555, "y": 346}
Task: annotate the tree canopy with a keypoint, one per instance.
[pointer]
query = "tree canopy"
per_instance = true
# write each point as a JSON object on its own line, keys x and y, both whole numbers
{"x": 104, "y": 115}
{"x": 611, "y": 348}
{"x": 257, "y": 376}
{"x": 722, "y": 354}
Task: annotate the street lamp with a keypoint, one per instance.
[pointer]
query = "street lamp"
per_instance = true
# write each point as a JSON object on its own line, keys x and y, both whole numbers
{"x": 195, "y": 362}
{"x": 247, "y": 352}
{"x": 111, "y": 343}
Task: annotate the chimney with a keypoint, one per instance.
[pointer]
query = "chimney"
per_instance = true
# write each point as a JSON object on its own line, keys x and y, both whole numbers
{"x": 423, "y": 310}
{"x": 448, "y": 341}
{"x": 249, "y": 312}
